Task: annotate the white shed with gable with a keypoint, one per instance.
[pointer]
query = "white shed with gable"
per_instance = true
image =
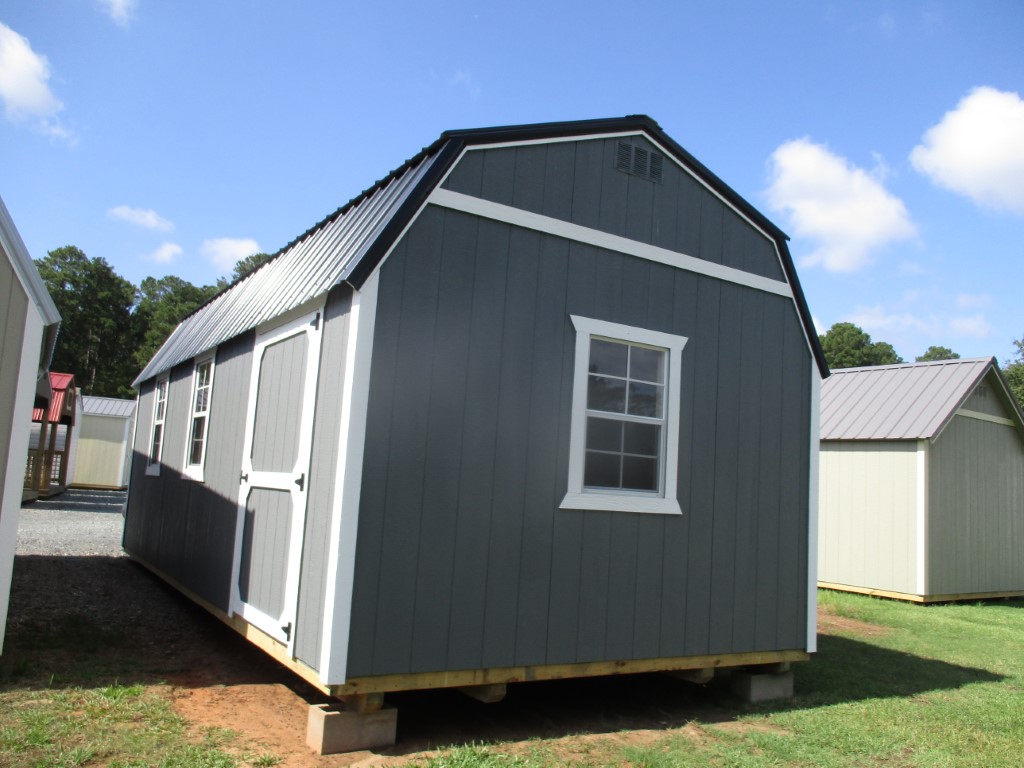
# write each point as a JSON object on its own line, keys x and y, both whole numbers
{"x": 922, "y": 482}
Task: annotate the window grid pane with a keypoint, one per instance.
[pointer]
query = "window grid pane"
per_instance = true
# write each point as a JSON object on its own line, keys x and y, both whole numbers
{"x": 625, "y": 416}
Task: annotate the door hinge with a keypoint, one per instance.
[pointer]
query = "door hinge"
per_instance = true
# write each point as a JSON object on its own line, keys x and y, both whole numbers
{"x": 243, "y": 477}
{"x": 301, "y": 481}
{"x": 315, "y": 322}
{"x": 287, "y": 630}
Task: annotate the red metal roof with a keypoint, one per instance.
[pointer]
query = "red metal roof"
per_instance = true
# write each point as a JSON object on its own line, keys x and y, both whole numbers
{"x": 61, "y": 404}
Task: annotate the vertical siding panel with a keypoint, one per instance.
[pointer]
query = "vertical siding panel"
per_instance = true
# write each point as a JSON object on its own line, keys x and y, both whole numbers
{"x": 770, "y": 453}
{"x": 375, "y": 472}
{"x": 467, "y": 176}
{"x": 614, "y": 193}
{"x": 726, "y": 457}
{"x": 407, "y": 457}
{"x": 316, "y": 543}
{"x": 513, "y": 409}
{"x": 559, "y": 178}
{"x": 465, "y": 642}
{"x": 676, "y": 566}
{"x": 444, "y": 450}
{"x": 567, "y": 582}
{"x": 793, "y": 504}
{"x": 543, "y": 491}
{"x": 528, "y": 177}
{"x": 748, "y": 504}
{"x": 587, "y": 178}
{"x": 712, "y": 224}
{"x": 498, "y": 174}
{"x": 702, "y": 483}
{"x": 639, "y": 209}
{"x": 664, "y": 221}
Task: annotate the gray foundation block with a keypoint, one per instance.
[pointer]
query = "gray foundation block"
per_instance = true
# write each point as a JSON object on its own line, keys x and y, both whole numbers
{"x": 754, "y": 687}
{"x": 330, "y": 729}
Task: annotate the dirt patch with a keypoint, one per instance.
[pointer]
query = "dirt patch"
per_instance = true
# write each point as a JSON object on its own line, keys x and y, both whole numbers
{"x": 107, "y": 619}
{"x": 829, "y": 623}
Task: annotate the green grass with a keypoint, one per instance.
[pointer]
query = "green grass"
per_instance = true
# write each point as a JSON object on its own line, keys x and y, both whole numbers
{"x": 942, "y": 685}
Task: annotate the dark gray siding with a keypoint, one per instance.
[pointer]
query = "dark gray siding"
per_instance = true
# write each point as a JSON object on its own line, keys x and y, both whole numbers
{"x": 463, "y": 558}
{"x": 323, "y": 463}
{"x": 183, "y": 527}
{"x": 578, "y": 182}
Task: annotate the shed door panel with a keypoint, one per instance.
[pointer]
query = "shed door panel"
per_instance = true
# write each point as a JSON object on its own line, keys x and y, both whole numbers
{"x": 273, "y": 478}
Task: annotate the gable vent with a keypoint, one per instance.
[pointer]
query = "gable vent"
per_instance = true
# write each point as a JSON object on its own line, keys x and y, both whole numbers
{"x": 637, "y": 161}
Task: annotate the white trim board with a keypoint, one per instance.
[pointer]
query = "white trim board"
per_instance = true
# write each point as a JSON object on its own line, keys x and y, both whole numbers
{"x": 517, "y": 217}
{"x": 813, "y": 500}
{"x": 986, "y": 417}
{"x": 921, "y": 516}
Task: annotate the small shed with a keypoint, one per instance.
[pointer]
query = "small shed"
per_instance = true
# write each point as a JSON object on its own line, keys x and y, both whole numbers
{"x": 922, "y": 482}
{"x": 540, "y": 403}
{"x": 53, "y": 443}
{"x": 104, "y": 443}
{"x": 28, "y": 331}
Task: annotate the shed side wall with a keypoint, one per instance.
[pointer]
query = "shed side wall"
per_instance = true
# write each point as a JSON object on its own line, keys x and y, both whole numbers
{"x": 464, "y": 559}
{"x": 867, "y": 529}
{"x": 323, "y": 462}
{"x": 976, "y": 508}
{"x": 100, "y": 446}
{"x": 183, "y": 527}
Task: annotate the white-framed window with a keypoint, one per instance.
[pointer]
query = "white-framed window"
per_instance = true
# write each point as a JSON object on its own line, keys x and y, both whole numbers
{"x": 624, "y": 439}
{"x": 156, "y": 438}
{"x": 199, "y": 422}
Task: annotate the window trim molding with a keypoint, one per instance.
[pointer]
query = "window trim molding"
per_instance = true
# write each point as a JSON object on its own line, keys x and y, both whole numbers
{"x": 153, "y": 462}
{"x": 197, "y": 472}
{"x": 665, "y": 503}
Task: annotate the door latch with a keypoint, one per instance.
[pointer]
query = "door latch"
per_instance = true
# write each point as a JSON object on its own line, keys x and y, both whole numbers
{"x": 301, "y": 481}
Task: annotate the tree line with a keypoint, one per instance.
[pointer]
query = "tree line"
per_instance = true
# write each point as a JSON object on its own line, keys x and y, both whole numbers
{"x": 848, "y": 346}
{"x": 110, "y": 328}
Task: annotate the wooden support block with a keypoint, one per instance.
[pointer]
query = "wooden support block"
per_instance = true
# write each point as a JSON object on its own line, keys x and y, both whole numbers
{"x": 363, "y": 703}
{"x": 330, "y": 729}
{"x": 698, "y": 676}
{"x": 488, "y": 694}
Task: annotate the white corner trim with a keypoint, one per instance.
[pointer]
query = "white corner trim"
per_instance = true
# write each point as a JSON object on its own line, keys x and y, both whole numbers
{"x": 986, "y": 417}
{"x": 921, "y": 497}
{"x": 559, "y": 228}
{"x": 578, "y": 498}
{"x": 355, "y": 393}
{"x": 813, "y": 489}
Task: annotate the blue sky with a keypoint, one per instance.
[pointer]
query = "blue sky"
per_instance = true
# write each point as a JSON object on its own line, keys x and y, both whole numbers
{"x": 886, "y": 138}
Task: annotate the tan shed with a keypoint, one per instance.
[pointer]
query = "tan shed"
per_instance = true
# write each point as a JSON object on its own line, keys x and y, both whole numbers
{"x": 104, "y": 443}
{"x": 922, "y": 482}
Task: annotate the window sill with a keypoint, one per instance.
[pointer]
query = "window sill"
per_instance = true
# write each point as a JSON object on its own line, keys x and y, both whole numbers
{"x": 194, "y": 472}
{"x": 614, "y": 502}
{"x": 153, "y": 470}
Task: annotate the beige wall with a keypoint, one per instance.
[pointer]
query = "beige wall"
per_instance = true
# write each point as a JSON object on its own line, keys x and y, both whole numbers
{"x": 976, "y": 507}
{"x": 102, "y": 447}
{"x": 867, "y": 525}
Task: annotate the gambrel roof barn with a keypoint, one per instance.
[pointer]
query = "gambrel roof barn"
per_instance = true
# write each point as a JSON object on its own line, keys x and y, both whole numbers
{"x": 922, "y": 482}
{"x": 540, "y": 403}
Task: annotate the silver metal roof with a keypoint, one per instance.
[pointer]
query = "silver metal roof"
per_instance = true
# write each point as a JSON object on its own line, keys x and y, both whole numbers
{"x": 309, "y": 267}
{"x": 898, "y": 402}
{"x": 107, "y": 406}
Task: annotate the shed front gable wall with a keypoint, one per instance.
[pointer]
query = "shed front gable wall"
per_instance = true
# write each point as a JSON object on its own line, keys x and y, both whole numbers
{"x": 976, "y": 501}
{"x": 868, "y": 514}
{"x": 464, "y": 560}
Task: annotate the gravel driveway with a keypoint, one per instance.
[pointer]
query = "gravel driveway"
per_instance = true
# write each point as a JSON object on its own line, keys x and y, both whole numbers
{"x": 78, "y": 522}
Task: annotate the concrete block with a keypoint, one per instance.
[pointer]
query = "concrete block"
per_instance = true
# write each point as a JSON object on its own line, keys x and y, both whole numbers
{"x": 754, "y": 687}
{"x": 330, "y": 729}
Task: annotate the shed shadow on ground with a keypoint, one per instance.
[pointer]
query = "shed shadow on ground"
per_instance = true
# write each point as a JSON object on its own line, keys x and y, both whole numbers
{"x": 99, "y": 620}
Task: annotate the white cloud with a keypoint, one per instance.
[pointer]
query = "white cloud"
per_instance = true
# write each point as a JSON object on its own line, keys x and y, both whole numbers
{"x": 166, "y": 253}
{"x": 974, "y": 325}
{"x": 224, "y": 252}
{"x": 142, "y": 217}
{"x": 24, "y": 87}
{"x": 973, "y": 301}
{"x": 875, "y": 319}
{"x": 120, "y": 11}
{"x": 843, "y": 209}
{"x": 977, "y": 150}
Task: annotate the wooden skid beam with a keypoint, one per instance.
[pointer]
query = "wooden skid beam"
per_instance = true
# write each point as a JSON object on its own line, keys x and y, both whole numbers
{"x": 950, "y": 598}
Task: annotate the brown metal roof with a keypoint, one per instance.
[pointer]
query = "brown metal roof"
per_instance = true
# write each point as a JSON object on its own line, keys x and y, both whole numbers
{"x": 900, "y": 402}
{"x": 62, "y": 405}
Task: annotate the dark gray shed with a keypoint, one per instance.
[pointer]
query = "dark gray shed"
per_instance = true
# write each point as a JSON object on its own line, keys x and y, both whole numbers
{"x": 540, "y": 403}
